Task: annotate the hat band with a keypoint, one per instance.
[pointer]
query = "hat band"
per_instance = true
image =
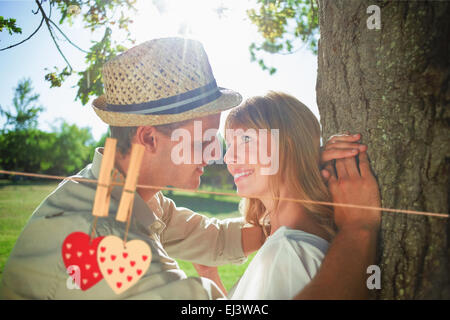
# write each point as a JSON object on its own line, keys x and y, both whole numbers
{"x": 172, "y": 105}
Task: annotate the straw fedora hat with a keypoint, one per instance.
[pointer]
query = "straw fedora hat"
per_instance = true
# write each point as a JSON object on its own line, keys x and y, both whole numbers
{"x": 161, "y": 81}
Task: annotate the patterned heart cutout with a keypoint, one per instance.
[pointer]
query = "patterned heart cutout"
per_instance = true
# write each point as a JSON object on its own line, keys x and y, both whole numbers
{"x": 122, "y": 266}
{"x": 78, "y": 250}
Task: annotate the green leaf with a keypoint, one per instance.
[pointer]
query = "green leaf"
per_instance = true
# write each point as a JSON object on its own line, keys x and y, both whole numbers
{"x": 56, "y": 78}
{"x": 10, "y": 25}
{"x": 282, "y": 22}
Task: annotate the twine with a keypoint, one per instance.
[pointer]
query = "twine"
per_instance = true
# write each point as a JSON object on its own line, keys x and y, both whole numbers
{"x": 45, "y": 176}
{"x": 127, "y": 228}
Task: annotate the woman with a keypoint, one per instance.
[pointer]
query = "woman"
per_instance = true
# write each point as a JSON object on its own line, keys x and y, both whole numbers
{"x": 297, "y": 233}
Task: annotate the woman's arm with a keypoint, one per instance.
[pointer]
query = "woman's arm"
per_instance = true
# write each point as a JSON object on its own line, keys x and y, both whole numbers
{"x": 211, "y": 273}
{"x": 252, "y": 239}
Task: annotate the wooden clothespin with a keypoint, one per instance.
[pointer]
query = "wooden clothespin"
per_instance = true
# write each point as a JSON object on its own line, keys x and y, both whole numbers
{"x": 126, "y": 201}
{"x": 103, "y": 193}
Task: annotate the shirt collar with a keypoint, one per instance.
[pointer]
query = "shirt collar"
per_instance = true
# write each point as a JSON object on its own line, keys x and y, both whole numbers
{"x": 142, "y": 212}
{"x": 97, "y": 162}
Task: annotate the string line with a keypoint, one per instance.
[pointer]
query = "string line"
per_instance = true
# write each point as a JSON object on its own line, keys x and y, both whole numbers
{"x": 94, "y": 224}
{"x": 127, "y": 227}
{"x": 46, "y": 176}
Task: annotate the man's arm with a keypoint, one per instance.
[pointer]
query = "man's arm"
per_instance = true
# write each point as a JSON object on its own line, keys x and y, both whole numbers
{"x": 343, "y": 271}
{"x": 196, "y": 238}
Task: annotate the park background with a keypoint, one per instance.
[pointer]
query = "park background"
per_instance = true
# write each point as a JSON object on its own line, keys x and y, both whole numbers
{"x": 383, "y": 71}
{"x": 61, "y": 134}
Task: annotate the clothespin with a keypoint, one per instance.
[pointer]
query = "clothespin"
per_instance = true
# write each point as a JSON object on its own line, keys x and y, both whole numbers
{"x": 103, "y": 193}
{"x": 126, "y": 201}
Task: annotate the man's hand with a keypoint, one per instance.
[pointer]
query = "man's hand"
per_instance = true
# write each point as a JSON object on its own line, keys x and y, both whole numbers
{"x": 342, "y": 274}
{"x": 353, "y": 186}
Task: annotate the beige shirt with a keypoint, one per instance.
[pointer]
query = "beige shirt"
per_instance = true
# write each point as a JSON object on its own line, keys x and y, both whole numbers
{"x": 35, "y": 269}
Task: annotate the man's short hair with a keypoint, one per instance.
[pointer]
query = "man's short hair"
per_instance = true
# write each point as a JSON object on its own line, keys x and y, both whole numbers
{"x": 124, "y": 135}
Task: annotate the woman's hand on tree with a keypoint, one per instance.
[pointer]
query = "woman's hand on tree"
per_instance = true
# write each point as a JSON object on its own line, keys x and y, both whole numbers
{"x": 341, "y": 146}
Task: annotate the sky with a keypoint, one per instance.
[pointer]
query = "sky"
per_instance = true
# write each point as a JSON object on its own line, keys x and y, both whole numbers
{"x": 226, "y": 41}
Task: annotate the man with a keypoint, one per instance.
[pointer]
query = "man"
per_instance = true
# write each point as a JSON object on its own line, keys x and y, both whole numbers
{"x": 151, "y": 90}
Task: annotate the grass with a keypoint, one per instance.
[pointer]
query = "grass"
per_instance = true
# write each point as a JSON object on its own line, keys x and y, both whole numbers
{"x": 18, "y": 201}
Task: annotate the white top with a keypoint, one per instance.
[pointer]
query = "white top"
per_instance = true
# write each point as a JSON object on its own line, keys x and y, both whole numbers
{"x": 286, "y": 262}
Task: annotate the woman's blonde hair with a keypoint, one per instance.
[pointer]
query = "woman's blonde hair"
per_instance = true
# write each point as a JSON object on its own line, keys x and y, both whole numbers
{"x": 299, "y": 155}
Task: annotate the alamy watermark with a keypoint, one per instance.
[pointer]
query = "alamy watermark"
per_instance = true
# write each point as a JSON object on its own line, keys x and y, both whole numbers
{"x": 256, "y": 147}
{"x": 374, "y": 281}
{"x": 374, "y": 20}
{"x": 74, "y": 280}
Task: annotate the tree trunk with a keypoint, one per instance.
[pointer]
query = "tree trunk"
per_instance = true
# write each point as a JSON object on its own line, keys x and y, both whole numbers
{"x": 392, "y": 86}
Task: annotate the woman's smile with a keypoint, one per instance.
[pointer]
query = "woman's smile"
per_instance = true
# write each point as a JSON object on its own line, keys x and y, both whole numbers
{"x": 238, "y": 176}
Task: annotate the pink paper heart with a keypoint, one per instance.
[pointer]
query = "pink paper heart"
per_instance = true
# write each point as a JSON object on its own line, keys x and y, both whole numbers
{"x": 119, "y": 273}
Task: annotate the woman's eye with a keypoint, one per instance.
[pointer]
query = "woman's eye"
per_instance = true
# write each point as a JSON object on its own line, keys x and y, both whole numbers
{"x": 246, "y": 138}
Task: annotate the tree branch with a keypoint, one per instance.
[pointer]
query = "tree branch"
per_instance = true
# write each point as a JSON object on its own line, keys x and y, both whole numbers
{"x": 37, "y": 10}
{"x": 47, "y": 22}
{"x": 67, "y": 38}
{"x": 31, "y": 35}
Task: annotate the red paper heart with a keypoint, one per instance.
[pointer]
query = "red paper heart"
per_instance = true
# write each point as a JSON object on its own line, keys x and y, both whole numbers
{"x": 77, "y": 251}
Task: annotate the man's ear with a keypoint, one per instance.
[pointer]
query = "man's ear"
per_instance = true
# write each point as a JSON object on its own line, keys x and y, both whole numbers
{"x": 146, "y": 135}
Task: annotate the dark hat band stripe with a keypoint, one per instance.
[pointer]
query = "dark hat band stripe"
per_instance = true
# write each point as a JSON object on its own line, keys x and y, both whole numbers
{"x": 172, "y": 105}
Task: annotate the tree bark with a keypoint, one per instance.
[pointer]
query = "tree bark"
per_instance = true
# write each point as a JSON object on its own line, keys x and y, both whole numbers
{"x": 392, "y": 86}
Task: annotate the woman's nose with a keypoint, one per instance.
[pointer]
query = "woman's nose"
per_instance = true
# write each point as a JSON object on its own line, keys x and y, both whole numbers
{"x": 229, "y": 156}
